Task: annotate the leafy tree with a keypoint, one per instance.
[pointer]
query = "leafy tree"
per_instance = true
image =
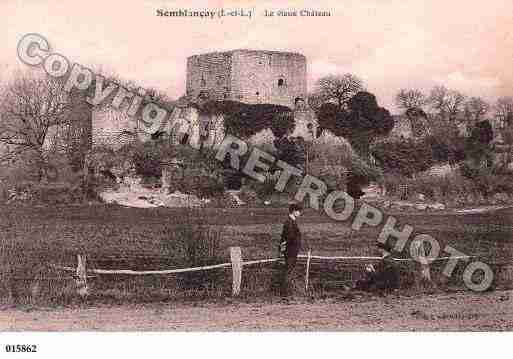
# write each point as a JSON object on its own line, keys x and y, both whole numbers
{"x": 475, "y": 108}
{"x": 361, "y": 124}
{"x": 336, "y": 89}
{"x": 478, "y": 150}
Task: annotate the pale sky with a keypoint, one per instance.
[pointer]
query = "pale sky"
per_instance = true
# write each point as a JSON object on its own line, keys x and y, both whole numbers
{"x": 390, "y": 44}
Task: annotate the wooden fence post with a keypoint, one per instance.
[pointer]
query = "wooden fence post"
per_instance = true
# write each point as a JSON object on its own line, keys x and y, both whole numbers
{"x": 236, "y": 258}
{"x": 81, "y": 276}
{"x": 307, "y": 269}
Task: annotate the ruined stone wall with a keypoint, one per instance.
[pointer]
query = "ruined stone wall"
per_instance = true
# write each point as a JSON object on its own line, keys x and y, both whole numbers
{"x": 112, "y": 127}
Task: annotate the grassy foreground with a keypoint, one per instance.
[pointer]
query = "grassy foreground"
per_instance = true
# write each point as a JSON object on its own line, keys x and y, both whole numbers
{"x": 130, "y": 238}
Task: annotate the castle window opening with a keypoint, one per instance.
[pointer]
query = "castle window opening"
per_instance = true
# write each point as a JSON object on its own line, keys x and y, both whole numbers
{"x": 257, "y": 93}
{"x": 203, "y": 82}
{"x": 281, "y": 82}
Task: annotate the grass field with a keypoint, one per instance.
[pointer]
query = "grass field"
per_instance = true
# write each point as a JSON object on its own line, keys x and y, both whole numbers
{"x": 130, "y": 238}
{"x": 104, "y": 231}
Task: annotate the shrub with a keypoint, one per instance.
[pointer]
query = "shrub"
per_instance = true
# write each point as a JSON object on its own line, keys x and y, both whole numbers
{"x": 245, "y": 120}
{"x": 56, "y": 193}
{"x": 404, "y": 158}
{"x": 23, "y": 266}
{"x": 194, "y": 244}
{"x": 490, "y": 184}
{"x": 248, "y": 195}
{"x": 265, "y": 189}
{"x": 205, "y": 187}
{"x": 451, "y": 186}
{"x": 147, "y": 161}
{"x": 151, "y": 182}
{"x": 331, "y": 158}
{"x": 446, "y": 149}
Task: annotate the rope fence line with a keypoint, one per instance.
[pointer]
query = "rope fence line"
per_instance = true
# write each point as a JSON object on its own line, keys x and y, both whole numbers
{"x": 81, "y": 272}
{"x": 167, "y": 271}
{"x": 145, "y": 272}
{"x": 224, "y": 265}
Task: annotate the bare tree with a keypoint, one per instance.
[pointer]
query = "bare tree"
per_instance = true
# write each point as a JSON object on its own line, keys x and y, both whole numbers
{"x": 448, "y": 103}
{"x": 337, "y": 89}
{"x": 32, "y": 110}
{"x": 475, "y": 109}
{"x": 504, "y": 110}
{"x": 409, "y": 99}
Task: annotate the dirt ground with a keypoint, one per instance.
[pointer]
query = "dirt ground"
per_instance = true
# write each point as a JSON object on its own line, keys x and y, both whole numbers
{"x": 461, "y": 311}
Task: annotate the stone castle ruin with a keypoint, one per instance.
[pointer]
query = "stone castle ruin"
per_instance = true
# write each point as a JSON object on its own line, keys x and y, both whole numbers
{"x": 248, "y": 76}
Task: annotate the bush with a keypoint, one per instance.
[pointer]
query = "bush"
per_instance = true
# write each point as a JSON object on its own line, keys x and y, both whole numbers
{"x": 332, "y": 158}
{"x": 48, "y": 193}
{"x": 490, "y": 184}
{"x": 451, "y": 186}
{"x": 264, "y": 189}
{"x": 205, "y": 187}
{"x": 446, "y": 149}
{"x": 151, "y": 182}
{"x": 195, "y": 244}
{"x": 404, "y": 158}
{"x": 147, "y": 161}
{"x": 248, "y": 195}
{"x": 245, "y": 120}
{"x": 24, "y": 271}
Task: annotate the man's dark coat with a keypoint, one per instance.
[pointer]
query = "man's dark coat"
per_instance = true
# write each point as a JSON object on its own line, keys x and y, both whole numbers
{"x": 292, "y": 237}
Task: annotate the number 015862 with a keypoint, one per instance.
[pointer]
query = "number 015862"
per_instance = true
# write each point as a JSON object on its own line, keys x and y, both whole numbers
{"x": 21, "y": 348}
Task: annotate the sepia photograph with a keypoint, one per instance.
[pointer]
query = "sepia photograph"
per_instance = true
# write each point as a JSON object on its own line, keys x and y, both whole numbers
{"x": 236, "y": 167}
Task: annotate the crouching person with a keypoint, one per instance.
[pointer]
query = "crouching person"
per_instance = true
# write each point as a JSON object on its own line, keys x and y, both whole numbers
{"x": 383, "y": 276}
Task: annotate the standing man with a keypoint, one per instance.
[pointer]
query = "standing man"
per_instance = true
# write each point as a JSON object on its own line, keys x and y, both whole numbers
{"x": 289, "y": 246}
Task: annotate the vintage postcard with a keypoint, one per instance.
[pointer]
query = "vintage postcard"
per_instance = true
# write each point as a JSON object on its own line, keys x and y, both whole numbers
{"x": 254, "y": 166}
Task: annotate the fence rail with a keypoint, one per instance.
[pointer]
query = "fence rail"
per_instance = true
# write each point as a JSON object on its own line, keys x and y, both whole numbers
{"x": 236, "y": 264}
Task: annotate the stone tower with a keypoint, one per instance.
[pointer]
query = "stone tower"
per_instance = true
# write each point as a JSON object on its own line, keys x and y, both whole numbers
{"x": 249, "y": 76}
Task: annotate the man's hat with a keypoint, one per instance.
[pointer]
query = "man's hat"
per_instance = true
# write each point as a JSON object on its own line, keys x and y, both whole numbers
{"x": 295, "y": 207}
